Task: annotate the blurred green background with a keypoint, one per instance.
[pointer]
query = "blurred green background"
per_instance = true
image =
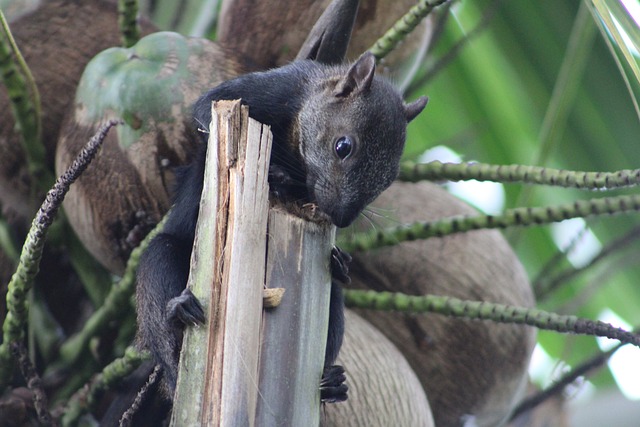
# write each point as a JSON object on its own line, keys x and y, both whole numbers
{"x": 541, "y": 85}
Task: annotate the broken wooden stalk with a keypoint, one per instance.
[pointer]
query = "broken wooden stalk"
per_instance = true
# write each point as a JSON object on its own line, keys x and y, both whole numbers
{"x": 246, "y": 366}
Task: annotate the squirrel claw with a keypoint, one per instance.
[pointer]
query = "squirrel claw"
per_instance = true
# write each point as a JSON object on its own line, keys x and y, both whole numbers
{"x": 332, "y": 386}
{"x": 185, "y": 309}
{"x": 340, "y": 265}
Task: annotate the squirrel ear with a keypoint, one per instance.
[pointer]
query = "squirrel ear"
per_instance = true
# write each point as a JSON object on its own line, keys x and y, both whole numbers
{"x": 359, "y": 77}
{"x": 412, "y": 110}
{"x": 328, "y": 39}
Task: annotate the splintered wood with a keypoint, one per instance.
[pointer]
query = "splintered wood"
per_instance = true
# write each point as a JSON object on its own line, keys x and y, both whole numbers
{"x": 227, "y": 275}
{"x": 294, "y": 334}
{"x": 245, "y": 367}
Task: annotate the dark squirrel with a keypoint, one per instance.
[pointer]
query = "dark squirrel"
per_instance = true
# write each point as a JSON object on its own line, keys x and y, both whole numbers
{"x": 338, "y": 134}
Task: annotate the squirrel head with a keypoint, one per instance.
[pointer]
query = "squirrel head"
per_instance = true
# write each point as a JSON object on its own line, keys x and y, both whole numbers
{"x": 352, "y": 131}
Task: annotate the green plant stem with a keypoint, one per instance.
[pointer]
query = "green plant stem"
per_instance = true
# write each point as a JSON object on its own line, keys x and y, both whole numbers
{"x": 114, "y": 308}
{"x": 24, "y": 100}
{"x": 510, "y": 218}
{"x": 481, "y": 310}
{"x": 22, "y": 280}
{"x": 402, "y": 27}
{"x": 128, "y": 22}
{"x": 87, "y": 398}
{"x": 435, "y": 171}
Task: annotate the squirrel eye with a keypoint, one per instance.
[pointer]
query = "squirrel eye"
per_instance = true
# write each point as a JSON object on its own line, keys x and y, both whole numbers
{"x": 344, "y": 146}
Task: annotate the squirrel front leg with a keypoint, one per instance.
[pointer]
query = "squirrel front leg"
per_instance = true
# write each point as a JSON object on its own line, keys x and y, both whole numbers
{"x": 332, "y": 386}
{"x": 165, "y": 306}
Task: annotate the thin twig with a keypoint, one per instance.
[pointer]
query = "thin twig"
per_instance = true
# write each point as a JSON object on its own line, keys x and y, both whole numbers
{"x": 594, "y": 363}
{"x": 34, "y": 383}
{"x": 543, "y": 288}
{"x": 554, "y": 262}
{"x": 455, "y": 50}
{"x": 127, "y": 417}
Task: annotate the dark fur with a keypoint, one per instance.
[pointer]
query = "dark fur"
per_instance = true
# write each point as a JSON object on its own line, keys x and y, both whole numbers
{"x": 308, "y": 106}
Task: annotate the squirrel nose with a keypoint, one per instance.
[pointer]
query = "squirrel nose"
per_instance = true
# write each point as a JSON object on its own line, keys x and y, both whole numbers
{"x": 343, "y": 217}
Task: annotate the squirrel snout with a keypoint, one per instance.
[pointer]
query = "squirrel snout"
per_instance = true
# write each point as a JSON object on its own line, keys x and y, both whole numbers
{"x": 341, "y": 216}
{"x": 341, "y": 207}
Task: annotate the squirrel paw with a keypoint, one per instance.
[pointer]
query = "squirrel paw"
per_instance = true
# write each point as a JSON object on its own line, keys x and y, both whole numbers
{"x": 332, "y": 386}
{"x": 280, "y": 181}
{"x": 340, "y": 265}
{"x": 279, "y": 175}
{"x": 185, "y": 309}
